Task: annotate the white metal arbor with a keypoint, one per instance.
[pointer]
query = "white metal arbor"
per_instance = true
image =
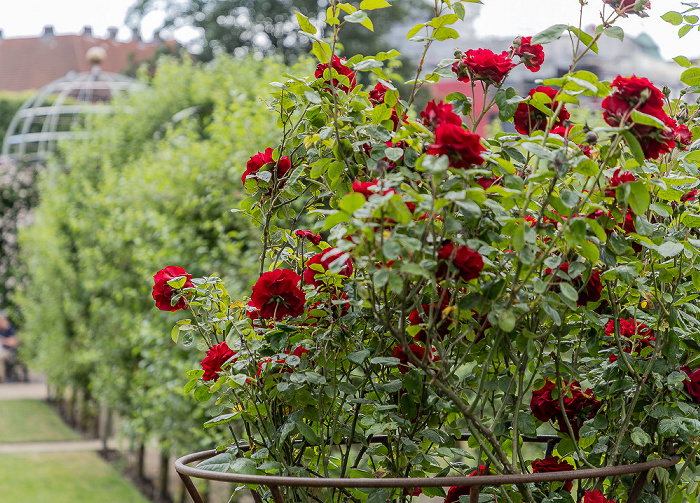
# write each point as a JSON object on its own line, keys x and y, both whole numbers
{"x": 52, "y": 112}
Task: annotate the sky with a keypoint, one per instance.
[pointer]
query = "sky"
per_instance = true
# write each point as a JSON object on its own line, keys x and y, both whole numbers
{"x": 28, "y": 18}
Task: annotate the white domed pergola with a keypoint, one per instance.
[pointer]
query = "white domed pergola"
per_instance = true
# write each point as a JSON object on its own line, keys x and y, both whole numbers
{"x": 52, "y": 113}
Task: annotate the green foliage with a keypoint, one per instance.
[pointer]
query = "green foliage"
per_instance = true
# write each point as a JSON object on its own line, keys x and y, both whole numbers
{"x": 153, "y": 183}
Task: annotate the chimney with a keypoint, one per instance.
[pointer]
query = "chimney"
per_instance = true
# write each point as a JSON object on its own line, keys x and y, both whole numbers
{"x": 87, "y": 31}
{"x": 112, "y": 32}
{"x": 135, "y": 35}
{"x": 1, "y": 34}
{"x": 156, "y": 37}
{"x": 48, "y": 31}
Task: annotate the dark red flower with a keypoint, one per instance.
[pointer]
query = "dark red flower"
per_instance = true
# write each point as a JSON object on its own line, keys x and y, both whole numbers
{"x": 468, "y": 262}
{"x": 376, "y": 95}
{"x": 456, "y": 491}
{"x": 463, "y": 148}
{"x": 639, "y": 94}
{"x": 276, "y": 294}
{"x": 264, "y": 159}
{"x": 630, "y": 6}
{"x": 682, "y": 136}
{"x": 441, "y": 323}
{"x": 483, "y": 64}
{"x": 692, "y": 385}
{"x": 619, "y": 177}
{"x": 552, "y": 464}
{"x": 324, "y": 260}
{"x": 531, "y": 55}
{"x": 368, "y": 189}
{"x": 252, "y": 311}
{"x": 216, "y": 357}
{"x": 314, "y": 238}
{"x": 418, "y": 352}
{"x": 689, "y": 196}
{"x": 579, "y": 405}
{"x": 163, "y": 293}
{"x": 342, "y": 70}
{"x": 591, "y": 291}
{"x": 639, "y": 336}
{"x": 437, "y": 113}
{"x": 595, "y": 497}
{"x": 527, "y": 118}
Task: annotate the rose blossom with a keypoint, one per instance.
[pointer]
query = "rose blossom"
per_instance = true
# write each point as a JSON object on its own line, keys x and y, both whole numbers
{"x": 325, "y": 259}
{"x": 437, "y": 113}
{"x": 468, "y": 262}
{"x": 314, "y": 238}
{"x": 368, "y": 189}
{"x": 527, "y": 118}
{"x": 640, "y": 336}
{"x": 595, "y": 497}
{"x": 163, "y": 293}
{"x": 578, "y": 405}
{"x": 630, "y": 6}
{"x": 276, "y": 294}
{"x": 483, "y": 64}
{"x": 531, "y": 55}
{"x": 619, "y": 177}
{"x": 689, "y": 196}
{"x": 593, "y": 287}
{"x": 692, "y": 385}
{"x": 342, "y": 70}
{"x": 682, "y": 136}
{"x": 552, "y": 464}
{"x": 456, "y": 491}
{"x": 418, "y": 352}
{"x": 462, "y": 147}
{"x": 376, "y": 95}
{"x": 263, "y": 159}
{"x": 216, "y": 357}
{"x": 635, "y": 93}
{"x": 441, "y": 323}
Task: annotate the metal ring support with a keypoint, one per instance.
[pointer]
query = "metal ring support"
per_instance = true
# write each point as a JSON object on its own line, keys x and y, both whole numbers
{"x": 275, "y": 481}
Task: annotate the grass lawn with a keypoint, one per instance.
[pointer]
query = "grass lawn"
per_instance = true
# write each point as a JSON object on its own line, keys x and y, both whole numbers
{"x": 63, "y": 478}
{"x": 31, "y": 421}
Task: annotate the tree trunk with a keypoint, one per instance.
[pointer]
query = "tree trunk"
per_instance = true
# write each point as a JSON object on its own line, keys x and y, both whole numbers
{"x": 163, "y": 475}
{"x": 140, "y": 460}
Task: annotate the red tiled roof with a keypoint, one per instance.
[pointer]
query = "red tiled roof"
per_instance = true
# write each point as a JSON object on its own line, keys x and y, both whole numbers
{"x": 32, "y": 62}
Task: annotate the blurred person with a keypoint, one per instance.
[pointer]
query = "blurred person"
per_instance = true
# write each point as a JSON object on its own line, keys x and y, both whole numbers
{"x": 8, "y": 345}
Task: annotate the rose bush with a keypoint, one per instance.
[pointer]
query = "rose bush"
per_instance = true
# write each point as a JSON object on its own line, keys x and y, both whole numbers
{"x": 466, "y": 292}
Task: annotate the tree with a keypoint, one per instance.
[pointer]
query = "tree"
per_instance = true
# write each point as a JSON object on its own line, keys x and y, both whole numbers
{"x": 265, "y": 26}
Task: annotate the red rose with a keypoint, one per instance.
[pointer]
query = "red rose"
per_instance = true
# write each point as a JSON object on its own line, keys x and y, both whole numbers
{"x": 252, "y": 311}
{"x": 640, "y": 336}
{"x": 531, "y": 55}
{"x": 467, "y": 261}
{"x": 441, "y": 323}
{"x": 216, "y": 357}
{"x": 276, "y": 294}
{"x": 528, "y": 118}
{"x": 579, "y": 405}
{"x": 689, "y": 196}
{"x": 418, "y": 352}
{"x": 325, "y": 259}
{"x": 437, "y": 113}
{"x": 619, "y": 177}
{"x": 314, "y": 238}
{"x": 593, "y": 287}
{"x": 682, "y": 136}
{"x": 692, "y": 385}
{"x": 368, "y": 189}
{"x": 463, "y": 148}
{"x": 163, "y": 293}
{"x": 376, "y": 95}
{"x": 456, "y": 491}
{"x": 595, "y": 497}
{"x": 639, "y": 94}
{"x": 552, "y": 464}
{"x": 483, "y": 64}
{"x": 342, "y": 70}
{"x": 264, "y": 159}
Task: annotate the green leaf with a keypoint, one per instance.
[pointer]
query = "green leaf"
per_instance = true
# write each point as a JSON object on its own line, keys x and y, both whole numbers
{"x": 359, "y": 356}
{"x": 322, "y": 51}
{"x": 584, "y": 37}
{"x": 684, "y": 30}
{"x": 374, "y": 4}
{"x": 352, "y": 202}
{"x": 414, "y": 30}
{"x": 634, "y": 146}
{"x": 219, "y": 463}
{"x": 506, "y": 321}
{"x": 244, "y": 466}
{"x": 691, "y": 77}
{"x": 648, "y": 120}
{"x": 640, "y": 437}
{"x": 305, "y": 24}
{"x": 307, "y": 432}
{"x": 670, "y": 249}
{"x": 673, "y": 17}
{"x": 549, "y": 35}
{"x": 356, "y": 17}
{"x": 639, "y": 198}
{"x": 615, "y": 32}
{"x": 568, "y": 291}
{"x": 175, "y": 333}
{"x": 683, "y": 61}
{"x": 224, "y": 418}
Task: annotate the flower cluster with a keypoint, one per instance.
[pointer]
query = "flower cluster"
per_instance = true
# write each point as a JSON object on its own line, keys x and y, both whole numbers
{"x": 579, "y": 405}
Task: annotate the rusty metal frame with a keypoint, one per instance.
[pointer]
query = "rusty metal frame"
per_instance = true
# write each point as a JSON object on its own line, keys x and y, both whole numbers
{"x": 274, "y": 482}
